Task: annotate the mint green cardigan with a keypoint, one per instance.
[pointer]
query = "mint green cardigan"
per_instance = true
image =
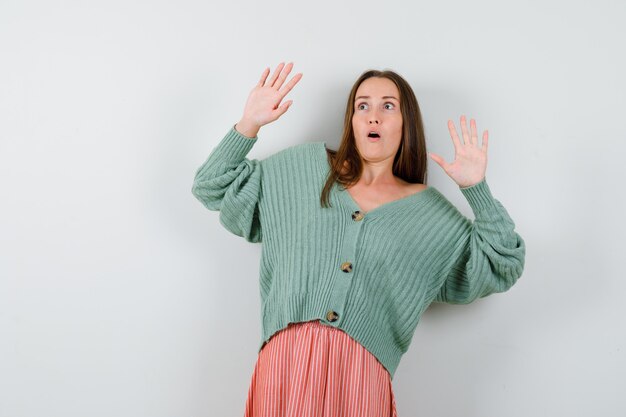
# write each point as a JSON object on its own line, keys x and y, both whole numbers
{"x": 370, "y": 275}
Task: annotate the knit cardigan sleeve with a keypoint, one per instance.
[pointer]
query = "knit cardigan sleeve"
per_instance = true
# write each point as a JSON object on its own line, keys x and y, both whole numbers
{"x": 230, "y": 183}
{"x": 490, "y": 256}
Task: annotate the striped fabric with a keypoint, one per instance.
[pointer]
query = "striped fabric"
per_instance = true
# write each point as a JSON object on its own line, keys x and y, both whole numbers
{"x": 310, "y": 369}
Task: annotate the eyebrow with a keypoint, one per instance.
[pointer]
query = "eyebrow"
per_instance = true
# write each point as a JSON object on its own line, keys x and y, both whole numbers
{"x": 385, "y": 97}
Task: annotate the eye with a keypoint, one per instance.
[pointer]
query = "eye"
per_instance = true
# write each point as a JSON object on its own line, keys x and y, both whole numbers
{"x": 389, "y": 106}
{"x": 361, "y": 106}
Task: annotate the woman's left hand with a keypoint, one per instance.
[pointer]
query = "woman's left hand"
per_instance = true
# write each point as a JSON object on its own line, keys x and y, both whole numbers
{"x": 470, "y": 159}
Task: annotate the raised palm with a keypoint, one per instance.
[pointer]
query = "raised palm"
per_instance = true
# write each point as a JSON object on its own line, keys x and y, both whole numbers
{"x": 470, "y": 159}
{"x": 264, "y": 102}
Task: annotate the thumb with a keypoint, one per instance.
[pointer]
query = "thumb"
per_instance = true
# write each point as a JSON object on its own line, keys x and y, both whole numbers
{"x": 439, "y": 160}
{"x": 283, "y": 108}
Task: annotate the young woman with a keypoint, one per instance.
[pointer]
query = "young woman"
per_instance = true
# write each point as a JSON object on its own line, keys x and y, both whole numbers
{"x": 355, "y": 244}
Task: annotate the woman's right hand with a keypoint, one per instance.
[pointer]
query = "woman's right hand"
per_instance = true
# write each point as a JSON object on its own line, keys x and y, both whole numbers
{"x": 263, "y": 105}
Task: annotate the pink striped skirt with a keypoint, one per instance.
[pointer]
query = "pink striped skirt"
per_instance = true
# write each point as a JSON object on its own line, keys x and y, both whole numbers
{"x": 309, "y": 369}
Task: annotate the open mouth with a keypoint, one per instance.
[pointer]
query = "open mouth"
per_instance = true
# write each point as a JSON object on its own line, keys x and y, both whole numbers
{"x": 373, "y": 135}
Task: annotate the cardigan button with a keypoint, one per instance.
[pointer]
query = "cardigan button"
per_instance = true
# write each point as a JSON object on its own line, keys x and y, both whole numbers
{"x": 357, "y": 216}
{"x": 332, "y": 316}
{"x": 346, "y": 266}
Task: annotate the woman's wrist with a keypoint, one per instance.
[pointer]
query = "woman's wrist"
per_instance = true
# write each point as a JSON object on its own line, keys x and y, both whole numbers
{"x": 247, "y": 129}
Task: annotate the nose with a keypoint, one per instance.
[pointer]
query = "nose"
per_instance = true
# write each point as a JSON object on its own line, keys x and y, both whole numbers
{"x": 373, "y": 117}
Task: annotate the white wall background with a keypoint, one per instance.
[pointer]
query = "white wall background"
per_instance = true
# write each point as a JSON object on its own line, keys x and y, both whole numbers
{"x": 120, "y": 295}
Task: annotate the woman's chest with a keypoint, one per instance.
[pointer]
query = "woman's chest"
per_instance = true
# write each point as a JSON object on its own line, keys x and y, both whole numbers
{"x": 369, "y": 198}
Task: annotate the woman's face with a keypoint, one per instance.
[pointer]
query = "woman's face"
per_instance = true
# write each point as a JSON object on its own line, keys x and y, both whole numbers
{"x": 377, "y": 111}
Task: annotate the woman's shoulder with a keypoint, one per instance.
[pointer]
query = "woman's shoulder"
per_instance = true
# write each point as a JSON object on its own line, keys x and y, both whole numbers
{"x": 299, "y": 148}
{"x": 410, "y": 188}
{"x": 441, "y": 206}
{"x": 298, "y": 153}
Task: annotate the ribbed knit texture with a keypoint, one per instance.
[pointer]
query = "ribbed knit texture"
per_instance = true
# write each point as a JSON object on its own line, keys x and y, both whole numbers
{"x": 405, "y": 254}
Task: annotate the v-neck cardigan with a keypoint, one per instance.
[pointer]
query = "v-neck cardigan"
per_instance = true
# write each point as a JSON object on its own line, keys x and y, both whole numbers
{"x": 372, "y": 275}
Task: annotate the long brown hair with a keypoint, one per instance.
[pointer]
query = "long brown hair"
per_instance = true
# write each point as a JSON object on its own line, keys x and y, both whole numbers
{"x": 410, "y": 162}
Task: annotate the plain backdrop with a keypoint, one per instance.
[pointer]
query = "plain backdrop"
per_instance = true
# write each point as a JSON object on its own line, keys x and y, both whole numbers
{"x": 121, "y": 295}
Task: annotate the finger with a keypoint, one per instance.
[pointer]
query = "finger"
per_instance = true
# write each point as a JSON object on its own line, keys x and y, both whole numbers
{"x": 283, "y": 75}
{"x": 474, "y": 134}
{"x": 466, "y": 138}
{"x": 276, "y": 73}
{"x": 485, "y": 146}
{"x": 453, "y": 134}
{"x": 439, "y": 160}
{"x": 263, "y": 77}
{"x": 287, "y": 88}
{"x": 283, "y": 108}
